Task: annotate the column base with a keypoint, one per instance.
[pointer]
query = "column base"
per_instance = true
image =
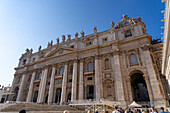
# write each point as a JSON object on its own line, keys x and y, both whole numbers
{"x": 160, "y": 103}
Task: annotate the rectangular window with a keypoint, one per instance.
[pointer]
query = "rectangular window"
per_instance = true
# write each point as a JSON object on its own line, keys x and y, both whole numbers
{"x": 128, "y": 33}
{"x": 88, "y": 43}
{"x": 24, "y": 62}
{"x": 105, "y": 40}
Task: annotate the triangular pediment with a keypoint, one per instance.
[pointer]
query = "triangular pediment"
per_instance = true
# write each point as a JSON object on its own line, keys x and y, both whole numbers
{"x": 58, "y": 51}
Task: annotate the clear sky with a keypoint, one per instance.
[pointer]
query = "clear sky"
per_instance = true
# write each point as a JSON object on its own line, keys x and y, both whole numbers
{"x": 31, "y": 23}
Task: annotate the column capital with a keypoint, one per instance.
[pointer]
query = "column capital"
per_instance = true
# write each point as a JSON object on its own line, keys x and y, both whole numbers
{"x": 75, "y": 60}
{"x": 146, "y": 77}
{"x": 128, "y": 79}
{"x": 66, "y": 62}
{"x": 145, "y": 47}
{"x": 97, "y": 56}
{"x": 81, "y": 59}
{"x": 45, "y": 66}
{"x": 54, "y": 65}
{"x": 117, "y": 52}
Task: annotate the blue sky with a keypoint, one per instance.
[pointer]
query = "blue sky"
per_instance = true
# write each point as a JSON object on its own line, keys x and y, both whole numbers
{"x": 31, "y": 23}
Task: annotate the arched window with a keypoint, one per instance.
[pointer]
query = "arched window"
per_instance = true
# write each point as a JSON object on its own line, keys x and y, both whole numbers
{"x": 71, "y": 69}
{"x": 19, "y": 79}
{"x": 90, "y": 66}
{"x": 133, "y": 59}
{"x": 106, "y": 63}
{"x": 61, "y": 70}
{"x": 40, "y": 75}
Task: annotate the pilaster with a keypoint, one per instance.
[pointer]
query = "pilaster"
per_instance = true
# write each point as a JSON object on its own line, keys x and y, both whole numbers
{"x": 146, "y": 77}
{"x": 128, "y": 81}
{"x": 118, "y": 76}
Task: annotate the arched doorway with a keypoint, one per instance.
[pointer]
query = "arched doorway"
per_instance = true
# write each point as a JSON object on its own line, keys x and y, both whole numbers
{"x": 90, "y": 92}
{"x": 69, "y": 97}
{"x": 58, "y": 95}
{"x": 35, "y": 96}
{"x": 139, "y": 88}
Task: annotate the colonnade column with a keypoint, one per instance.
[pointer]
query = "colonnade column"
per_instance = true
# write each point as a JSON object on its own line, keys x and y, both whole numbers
{"x": 64, "y": 84}
{"x": 81, "y": 88}
{"x": 146, "y": 77}
{"x": 97, "y": 78}
{"x": 155, "y": 83}
{"x": 129, "y": 89}
{"x": 42, "y": 86}
{"x": 21, "y": 87}
{"x": 12, "y": 87}
{"x": 50, "y": 95}
{"x": 74, "y": 82}
{"x": 29, "y": 96}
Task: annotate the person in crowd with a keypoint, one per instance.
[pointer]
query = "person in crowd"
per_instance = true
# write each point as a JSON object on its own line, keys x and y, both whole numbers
{"x": 96, "y": 111}
{"x": 130, "y": 111}
{"x": 150, "y": 110}
{"x": 162, "y": 110}
{"x": 121, "y": 110}
{"x": 138, "y": 111}
{"x": 166, "y": 110}
{"x": 66, "y": 111}
{"x": 22, "y": 111}
{"x": 154, "y": 110}
{"x": 144, "y": 111}
{"x": 116, "y": 110}
{"x": 126, "y": 110}
{"x": 89, "y": 111}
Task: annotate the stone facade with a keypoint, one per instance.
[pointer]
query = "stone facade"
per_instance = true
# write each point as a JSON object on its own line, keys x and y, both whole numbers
{"x": 119, "y": 65}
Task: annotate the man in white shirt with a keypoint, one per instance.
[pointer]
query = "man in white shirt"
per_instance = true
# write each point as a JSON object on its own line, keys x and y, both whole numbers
{"x": 116, "y": 110}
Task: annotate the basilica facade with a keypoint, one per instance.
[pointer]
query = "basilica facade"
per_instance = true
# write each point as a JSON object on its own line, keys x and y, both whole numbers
{"x": 116, "y": 66}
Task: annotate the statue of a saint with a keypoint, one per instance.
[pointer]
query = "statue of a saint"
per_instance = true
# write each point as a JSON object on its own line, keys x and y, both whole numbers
{"x": 39, "y": 49}
{"x": 95, "y": 30}
{"x": 63, "y": 38}
{"x": 82, "y": 33}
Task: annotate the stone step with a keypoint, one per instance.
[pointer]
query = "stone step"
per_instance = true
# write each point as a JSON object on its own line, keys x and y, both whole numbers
{"x": 40, "y": 108}
{"x": 47, "y": 112}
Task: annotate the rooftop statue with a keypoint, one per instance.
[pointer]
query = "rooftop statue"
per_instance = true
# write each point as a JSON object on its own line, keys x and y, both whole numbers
{"x": 76, "y": 35}
{"x": 112, "y": 24}
{"x": 95, "y": 30}
{"x": 69, "y": 37}
{"x": 58, "y": 40}
{"x": 63, "y": 38}
{"x": 82, "y": 33}
{"x": 51, "y": 42}
{"x": 39, "y": 49}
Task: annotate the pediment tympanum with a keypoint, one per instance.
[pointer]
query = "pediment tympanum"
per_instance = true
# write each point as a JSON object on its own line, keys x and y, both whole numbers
{"x": 58, "y": 51}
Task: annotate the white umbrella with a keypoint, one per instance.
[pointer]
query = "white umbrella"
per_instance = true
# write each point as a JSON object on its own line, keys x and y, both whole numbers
{"x": 134, "y": 104}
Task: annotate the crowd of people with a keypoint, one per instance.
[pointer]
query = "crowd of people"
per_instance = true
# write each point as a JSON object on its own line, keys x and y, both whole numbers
{"x": 140, "y": 110}
{"x": 120, "y": 110}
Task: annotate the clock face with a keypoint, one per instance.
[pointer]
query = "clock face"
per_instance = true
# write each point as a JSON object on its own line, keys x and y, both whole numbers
{"x": 125, "y": 23}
